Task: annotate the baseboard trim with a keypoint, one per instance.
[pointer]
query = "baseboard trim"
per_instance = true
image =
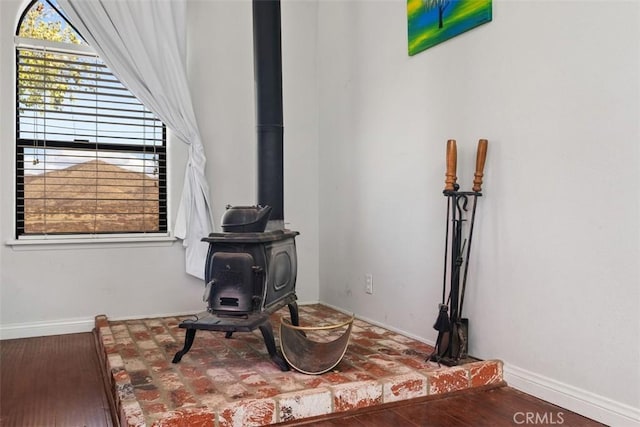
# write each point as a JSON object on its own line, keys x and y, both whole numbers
{"x": 45, "y": 328}
{"x": 376, "y": 323}
{"x": 66, "y": 326}
{"x": 577, "y": 400}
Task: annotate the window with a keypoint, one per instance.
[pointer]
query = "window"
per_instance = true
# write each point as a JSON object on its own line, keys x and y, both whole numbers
{"x": 90, "y": 158}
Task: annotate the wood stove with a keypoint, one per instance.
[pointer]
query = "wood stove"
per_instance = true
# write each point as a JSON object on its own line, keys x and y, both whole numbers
{"x": 250, "y": 272}
{"x": 248, "y": 275}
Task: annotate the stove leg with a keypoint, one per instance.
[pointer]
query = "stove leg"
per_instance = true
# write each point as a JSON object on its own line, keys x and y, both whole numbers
{"x": 228, "y": 335}
{"x": 188, "y": 342}
{"x": 293, "y": 310}
{"x": 269, "y": 341}
{"x": 295, "y": 318}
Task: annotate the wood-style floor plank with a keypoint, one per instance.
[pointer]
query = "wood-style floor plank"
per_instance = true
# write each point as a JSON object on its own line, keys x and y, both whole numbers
{"x": 52, "y": 381}
{"x": 437, "y": 413}
{"x": 524, "y": 409}
{"x": 385, "y": 419}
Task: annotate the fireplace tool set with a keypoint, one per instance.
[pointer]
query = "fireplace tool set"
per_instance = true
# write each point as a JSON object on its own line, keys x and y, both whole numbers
{"x": 453, "y": 330}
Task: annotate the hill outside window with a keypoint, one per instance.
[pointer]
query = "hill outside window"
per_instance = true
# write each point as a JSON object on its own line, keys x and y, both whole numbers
{"x": 90, "y": 158}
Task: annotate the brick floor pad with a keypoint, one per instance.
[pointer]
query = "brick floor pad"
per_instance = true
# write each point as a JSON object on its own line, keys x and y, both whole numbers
{"x": 233, "y": 382}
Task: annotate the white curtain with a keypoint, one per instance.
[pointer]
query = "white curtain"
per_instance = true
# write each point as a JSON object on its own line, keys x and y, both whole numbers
{"x": 143, "y": 43}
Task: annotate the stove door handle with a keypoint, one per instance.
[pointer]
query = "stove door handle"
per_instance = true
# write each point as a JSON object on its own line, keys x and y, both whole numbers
{"x": 207, "y": 290}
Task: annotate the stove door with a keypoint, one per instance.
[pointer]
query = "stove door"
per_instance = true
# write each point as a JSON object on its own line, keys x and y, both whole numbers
{"x": 233, "y": 281}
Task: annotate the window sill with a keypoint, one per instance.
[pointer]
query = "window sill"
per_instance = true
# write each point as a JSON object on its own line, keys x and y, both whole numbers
{"x": 90, "y": 242}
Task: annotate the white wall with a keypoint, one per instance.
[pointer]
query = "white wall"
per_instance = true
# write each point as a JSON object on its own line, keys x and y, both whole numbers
{"x": 58, "y": 289}
{"x": 554, "y": 279}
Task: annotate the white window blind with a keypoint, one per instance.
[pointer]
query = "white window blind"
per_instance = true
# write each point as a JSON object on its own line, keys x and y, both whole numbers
{"x": 90, "y": 157}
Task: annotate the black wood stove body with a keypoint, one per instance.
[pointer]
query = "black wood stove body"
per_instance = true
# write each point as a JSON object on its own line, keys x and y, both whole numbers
{"x": 248, "y": 276}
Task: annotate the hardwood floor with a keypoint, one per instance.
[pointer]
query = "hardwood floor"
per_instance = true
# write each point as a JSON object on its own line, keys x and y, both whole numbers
{"x": 56, "y": 381}
{"x": 52, "y": 381}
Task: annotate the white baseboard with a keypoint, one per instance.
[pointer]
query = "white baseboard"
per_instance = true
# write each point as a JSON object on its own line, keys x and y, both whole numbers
{"x": 45, "y": 328}
{"x": 66, "y": 326}
{"x": 77, "y": 325}
{"x": 580, "y": 401}
{"x": 376, "y": 323}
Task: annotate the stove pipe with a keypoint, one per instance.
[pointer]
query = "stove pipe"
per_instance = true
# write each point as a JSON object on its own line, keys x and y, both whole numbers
{"x": 267, "y": 57}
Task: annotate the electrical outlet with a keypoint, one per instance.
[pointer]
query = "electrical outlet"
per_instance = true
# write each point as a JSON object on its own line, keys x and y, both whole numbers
{"x": 368, "y": 283}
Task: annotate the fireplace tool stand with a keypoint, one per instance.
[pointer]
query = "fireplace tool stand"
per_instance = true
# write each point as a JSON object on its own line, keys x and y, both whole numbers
{"x": 453, "y": 330}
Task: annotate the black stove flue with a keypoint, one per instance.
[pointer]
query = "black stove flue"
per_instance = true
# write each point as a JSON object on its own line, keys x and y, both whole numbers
{"x": 267, "y": 63}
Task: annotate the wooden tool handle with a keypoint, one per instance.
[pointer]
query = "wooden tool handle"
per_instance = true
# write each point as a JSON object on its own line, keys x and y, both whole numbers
{"x": 452, "y": 159}
{"x": 480, "y": 158}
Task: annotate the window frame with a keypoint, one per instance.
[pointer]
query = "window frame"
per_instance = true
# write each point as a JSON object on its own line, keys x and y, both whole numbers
{"x": 163, "y": 234}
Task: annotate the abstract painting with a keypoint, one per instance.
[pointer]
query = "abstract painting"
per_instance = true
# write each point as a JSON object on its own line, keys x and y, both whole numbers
{"x": 433, "y": 21}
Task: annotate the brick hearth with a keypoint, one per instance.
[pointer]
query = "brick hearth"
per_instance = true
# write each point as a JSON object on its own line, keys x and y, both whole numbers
{"x": 232, "y": 382}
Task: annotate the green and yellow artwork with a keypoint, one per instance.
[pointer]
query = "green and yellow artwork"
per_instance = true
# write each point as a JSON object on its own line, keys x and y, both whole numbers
{"x": 433, "y": 21}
